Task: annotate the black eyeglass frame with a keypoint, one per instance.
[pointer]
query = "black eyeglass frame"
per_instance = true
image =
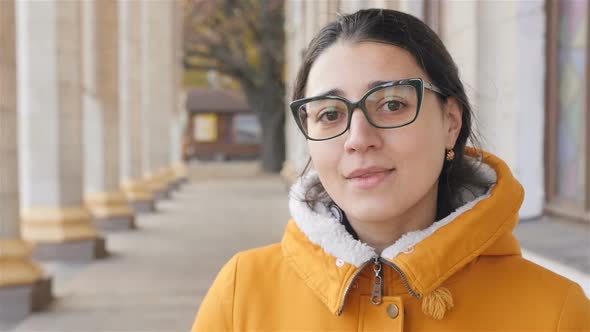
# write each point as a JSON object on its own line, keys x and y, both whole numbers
{"x": 418, "y": 84}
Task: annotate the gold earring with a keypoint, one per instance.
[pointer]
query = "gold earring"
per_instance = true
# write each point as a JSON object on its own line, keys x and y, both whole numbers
{"x": 450, "y": 155}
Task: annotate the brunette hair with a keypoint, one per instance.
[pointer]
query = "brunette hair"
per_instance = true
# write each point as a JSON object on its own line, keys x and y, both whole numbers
{"x": 405, "y": 31}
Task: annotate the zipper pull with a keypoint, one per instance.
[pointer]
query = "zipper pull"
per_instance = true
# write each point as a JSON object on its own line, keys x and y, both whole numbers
{"x": 376, "y": 298}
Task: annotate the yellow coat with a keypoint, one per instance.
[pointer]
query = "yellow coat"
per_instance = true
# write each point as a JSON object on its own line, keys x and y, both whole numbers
{"x": 462, "y": 273}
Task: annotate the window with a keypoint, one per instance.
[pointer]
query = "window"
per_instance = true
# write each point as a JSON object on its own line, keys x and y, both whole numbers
{"x": 205, "y": 127}
{"x": 246, "y": 129}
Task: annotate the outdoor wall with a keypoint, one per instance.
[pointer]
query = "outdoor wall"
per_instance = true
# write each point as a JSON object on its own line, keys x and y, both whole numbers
{"x": 499, "y": 48}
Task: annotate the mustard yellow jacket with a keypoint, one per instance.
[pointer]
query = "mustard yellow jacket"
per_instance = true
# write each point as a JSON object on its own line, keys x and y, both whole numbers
{"x": 463, "y": 273}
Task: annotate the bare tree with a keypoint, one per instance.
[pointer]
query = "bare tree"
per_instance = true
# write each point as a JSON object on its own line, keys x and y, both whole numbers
{"x": 244, "y": 39}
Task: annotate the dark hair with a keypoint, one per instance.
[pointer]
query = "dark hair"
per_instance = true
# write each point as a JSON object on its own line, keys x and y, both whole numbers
{"x": 405, "y": 31}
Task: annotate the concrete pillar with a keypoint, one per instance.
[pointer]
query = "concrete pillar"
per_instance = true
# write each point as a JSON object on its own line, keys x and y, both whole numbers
{"x": 387, "y": 4}
{"x": 296, "y": 42}
{"x": 155, "y": 91}
{"x": 103, "y": 195}
{"x": 132, "y": 115}
{"x": 530, "y": 104}
{"x": 177, "y": 167}
{"x": 496, "y": 77}
{"x": 50, "y": 132}
{"x": 326, "y": 13}
{"x": 18, "y": 273}
{"x": 351, "y": 6}
{"x": 510, "y": 47}
{"x": 459, "y": 33}
{"x": 168, "y": 110}
{"x": 412, "y": 7}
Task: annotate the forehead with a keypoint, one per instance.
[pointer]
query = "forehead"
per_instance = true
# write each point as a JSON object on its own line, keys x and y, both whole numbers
{"x": 353, "y": 66}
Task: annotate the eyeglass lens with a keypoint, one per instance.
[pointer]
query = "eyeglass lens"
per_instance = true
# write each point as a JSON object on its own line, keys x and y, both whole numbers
{"x": 387, "y": 107}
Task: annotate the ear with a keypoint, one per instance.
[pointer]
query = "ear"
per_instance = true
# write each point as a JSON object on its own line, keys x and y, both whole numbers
{"x": 453, "y": 121}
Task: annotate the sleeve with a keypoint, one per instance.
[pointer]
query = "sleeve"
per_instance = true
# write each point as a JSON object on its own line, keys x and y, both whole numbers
{"x": 216, "y": 311}
{"x": 575, "y": 313}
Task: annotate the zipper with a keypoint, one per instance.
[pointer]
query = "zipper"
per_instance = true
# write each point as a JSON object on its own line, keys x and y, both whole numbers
{"x": 403, "y": 277}
{"x": 377, "y": 295}
{"x": 349, "y": 286}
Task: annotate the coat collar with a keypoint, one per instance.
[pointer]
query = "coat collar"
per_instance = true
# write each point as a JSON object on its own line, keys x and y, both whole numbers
{"x": 326, "y": 256}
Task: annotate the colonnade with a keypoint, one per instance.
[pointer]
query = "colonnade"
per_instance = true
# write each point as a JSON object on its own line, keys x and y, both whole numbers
{"x": 90, "y": 130}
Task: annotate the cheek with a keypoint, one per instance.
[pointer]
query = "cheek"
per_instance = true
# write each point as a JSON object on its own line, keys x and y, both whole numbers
{"x": 428, "y": 132}
{"x": 421, "y": 148}
{"x": 325, "y": 157}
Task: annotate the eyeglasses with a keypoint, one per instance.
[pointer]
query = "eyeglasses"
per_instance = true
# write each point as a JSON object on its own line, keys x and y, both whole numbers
{"x": 388, "y": 105}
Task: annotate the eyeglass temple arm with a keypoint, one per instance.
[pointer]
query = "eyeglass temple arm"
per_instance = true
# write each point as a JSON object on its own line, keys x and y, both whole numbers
{"x": 432, "y": 87}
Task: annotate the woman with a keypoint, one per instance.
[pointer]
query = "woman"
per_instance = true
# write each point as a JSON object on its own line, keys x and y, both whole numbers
{"x": 399, "y": 226}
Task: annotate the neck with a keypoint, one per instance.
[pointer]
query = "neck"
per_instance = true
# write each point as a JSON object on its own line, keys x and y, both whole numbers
{"x": 382, "y": 234}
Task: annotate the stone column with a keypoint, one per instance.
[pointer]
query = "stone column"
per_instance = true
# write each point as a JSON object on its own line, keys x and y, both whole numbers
{"x": 531, "y": 105}
{"x": 50, "y": 131}
{"x": 18, "y": 273}
{"x": 387, "y": 4}
{"x": 133, "y": 116}
{"x": 412, "y": 7}
{"x": 351, "y": 6}
{"x": 179, "y": 169}
{"x": 103, "y": 195}
{"x": 511, "y": 91}
{"x": 459, "y": 32}
{"x": 170, "y": 100}
{"x": 497, "y": 29}
{"x": 295, "y": 39}
{"x": 495, "y": 45}
{"x": 179, "y": 125}
{"x": 155, "y": 93}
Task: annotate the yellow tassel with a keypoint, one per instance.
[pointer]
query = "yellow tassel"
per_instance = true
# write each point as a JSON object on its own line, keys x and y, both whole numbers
{"x": 437, "y": 303}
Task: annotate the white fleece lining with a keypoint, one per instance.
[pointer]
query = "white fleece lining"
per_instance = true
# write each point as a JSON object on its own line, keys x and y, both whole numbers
{"x": 323, "y": 229}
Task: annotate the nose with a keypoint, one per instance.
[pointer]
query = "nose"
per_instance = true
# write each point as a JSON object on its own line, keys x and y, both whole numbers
{"x": 362, "y": 136}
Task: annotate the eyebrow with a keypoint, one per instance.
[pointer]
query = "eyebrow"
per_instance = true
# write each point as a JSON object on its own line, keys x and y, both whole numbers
{"x": 332, "y": 92}
{"x": 376, "y": 83}
{"x": 340, "y": 93}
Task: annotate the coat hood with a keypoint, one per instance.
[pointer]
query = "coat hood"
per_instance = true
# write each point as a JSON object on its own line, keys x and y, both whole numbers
{"x": 328, "y": 258}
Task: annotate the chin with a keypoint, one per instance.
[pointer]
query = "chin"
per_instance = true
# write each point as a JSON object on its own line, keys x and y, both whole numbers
{"x": 376, "y": 213}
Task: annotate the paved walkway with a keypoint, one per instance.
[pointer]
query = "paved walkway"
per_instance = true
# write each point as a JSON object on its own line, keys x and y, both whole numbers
{"x": 549, "y": 237}
{"x": 158, "y": 274}
{"x": 559, "y": 246}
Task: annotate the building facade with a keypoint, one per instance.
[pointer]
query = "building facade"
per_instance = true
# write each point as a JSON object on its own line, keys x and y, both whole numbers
{"x": 525, "y": 66}
{"x": 90, "y": 131}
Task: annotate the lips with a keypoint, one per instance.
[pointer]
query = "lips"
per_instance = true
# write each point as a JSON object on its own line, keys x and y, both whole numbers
{"x": 367, "y": 178}
{"x": 367, "y": 171}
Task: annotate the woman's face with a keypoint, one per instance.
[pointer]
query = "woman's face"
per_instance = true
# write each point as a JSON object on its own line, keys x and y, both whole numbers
{"x": 374, "y": 174}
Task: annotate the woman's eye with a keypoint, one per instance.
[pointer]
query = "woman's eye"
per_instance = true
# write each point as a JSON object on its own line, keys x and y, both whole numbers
{"x": 330, "y": 116}
{"x": 392, "y": 105}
